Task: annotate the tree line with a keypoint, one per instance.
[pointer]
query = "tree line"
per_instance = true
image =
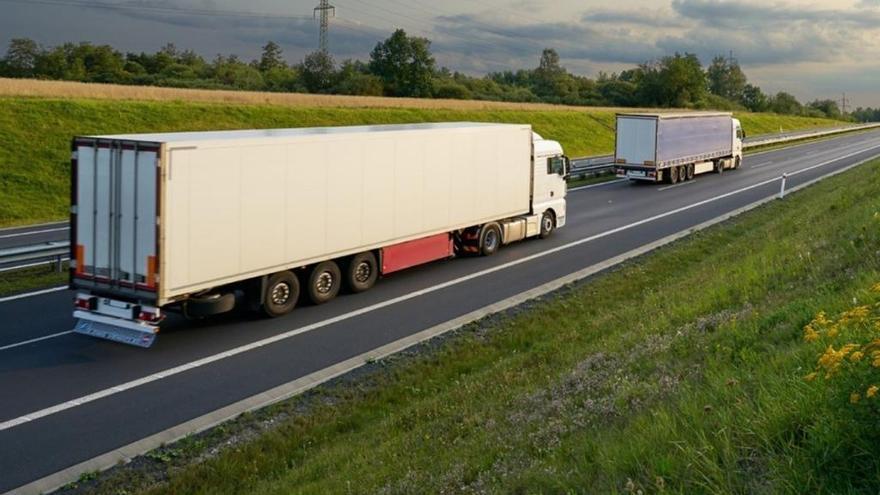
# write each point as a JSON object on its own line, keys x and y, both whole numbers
{"x": 403, "y": 65}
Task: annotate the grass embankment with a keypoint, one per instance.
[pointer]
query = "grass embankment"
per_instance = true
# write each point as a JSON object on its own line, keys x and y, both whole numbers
{"x": 35, "y": 277}
{"x": 681, "y": 372}
{"x": 35, "y": 134}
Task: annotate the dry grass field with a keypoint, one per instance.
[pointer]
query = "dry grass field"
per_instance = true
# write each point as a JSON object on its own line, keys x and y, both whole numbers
{"x": 68, "y": 89}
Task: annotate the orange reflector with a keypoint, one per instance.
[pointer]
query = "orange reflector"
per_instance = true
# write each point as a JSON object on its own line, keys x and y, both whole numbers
{"x": 151, "y": 271}
{"x": 80, "y": 259}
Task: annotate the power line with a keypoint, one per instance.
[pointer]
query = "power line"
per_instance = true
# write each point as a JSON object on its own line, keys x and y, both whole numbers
{"x": 156, "y": 9}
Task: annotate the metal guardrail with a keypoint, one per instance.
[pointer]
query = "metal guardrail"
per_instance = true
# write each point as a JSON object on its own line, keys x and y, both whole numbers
{"x": 595, "y": 165}
{"x": 55, "y": 252}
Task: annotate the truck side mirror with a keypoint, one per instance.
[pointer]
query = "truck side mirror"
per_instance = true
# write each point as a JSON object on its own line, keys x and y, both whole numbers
{"x": 567, "y": 171}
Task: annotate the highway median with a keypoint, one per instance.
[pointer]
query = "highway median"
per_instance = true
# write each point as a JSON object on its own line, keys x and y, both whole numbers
{"x": 679, "y": 371}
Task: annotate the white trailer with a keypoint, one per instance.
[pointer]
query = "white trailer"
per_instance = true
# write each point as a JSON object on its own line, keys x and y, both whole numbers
{"x": 674, "y": 147}
{"x": 200, "y": 222}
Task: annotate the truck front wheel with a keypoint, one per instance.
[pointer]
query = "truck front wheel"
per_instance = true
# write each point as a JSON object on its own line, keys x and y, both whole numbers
{"x": 324, "y": 281}
{"x": 548, "y": 223}
{"x": 282, "y": 292}
{"x": 361, "y": 272}
{"x": 719, "y": 166}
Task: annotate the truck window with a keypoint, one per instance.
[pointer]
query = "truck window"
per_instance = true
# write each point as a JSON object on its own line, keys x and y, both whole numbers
{"x": 739, "y": 133}
{"x": 556, "y": 165}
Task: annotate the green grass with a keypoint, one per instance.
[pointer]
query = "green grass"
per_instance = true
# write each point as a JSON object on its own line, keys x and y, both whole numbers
{"x": 35, "y": 277}
{"x": 680, "y": 372}
{"x": 35, "y": 135}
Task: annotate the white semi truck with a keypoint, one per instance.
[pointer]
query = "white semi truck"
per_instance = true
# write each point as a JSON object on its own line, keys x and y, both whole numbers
{"x": 673, "y": 147}
{"x": 201, "y": 222}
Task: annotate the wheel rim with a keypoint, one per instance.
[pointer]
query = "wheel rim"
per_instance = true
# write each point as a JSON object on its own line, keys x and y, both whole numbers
{"x": 362, "y": 272}
{"x": 548, "y": 223}
{"x": 491, "y": 239}
{"x": 324, "y": 283}
{"x": 280, "y": 294}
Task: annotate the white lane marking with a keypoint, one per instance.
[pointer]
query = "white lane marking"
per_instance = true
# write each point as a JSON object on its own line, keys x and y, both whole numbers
{"x": 33, "y": 232}
{"x": 34, "y": 226}
{"x": 30, "y": 294}
{"x": 591, "y": 186}
{"x": 31, "y": 341}
{"x": 677, "y": 185}
{"x": 330, "y": 321}
{"x": 759, "y": 165}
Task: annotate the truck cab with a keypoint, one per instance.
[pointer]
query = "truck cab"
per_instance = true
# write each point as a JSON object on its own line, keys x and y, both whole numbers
{"x": 738, "y": 136}
{"x": 549, "y": 186}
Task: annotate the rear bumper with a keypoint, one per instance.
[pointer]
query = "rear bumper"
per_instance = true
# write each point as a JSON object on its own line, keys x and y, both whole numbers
{"x": 120, "y": 330}
{"x": 636, "y": 172}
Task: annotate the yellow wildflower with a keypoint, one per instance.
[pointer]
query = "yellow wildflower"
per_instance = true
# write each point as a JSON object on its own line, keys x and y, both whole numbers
{"x": 854, "y": 398}
{"x": 810, "y": 334}
{"x": 875, "y": 287}
{"x": 857, "y": 314}
{"x": 856, "y": 356}
{"x": 834, "y": 330}
{"x": 810, "y": 377}
{"x": 872, "y": 391}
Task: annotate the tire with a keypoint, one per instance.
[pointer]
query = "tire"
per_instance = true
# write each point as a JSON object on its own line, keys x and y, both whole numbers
{"x": 719, "y": 167}
{"x": 209, "y": 305}
{"x": 490, "y": 239}
{"x": 683, "y": 173}
{"x": 673, "y": 175}
{"x": 282, "y": 293}
{"x": 690, "y": 171}
{"x": 361, "y": 272}
{"x": 325, "y": 279}
{"x": 737, "y": 163}
{"x": 548, "y": 225}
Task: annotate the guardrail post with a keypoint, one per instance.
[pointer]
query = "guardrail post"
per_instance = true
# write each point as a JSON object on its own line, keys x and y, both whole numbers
{"x": 782, "y": 186}
{"x": 58, "y": 263}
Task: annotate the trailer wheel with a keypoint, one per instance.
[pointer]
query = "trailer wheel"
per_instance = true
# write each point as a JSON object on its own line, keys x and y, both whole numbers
{"x": 673, "y": 175}
{"x": 324, "y": 281}
{"x": 208, "y": 305}
{"x": 361, "y": 272}
{"x": 490, "y": 239}
{"x": 548, "y": 224}
{"x": 690, "y": 171}
{"x": 683, "y": 173}
{"x": 282, "y": 292}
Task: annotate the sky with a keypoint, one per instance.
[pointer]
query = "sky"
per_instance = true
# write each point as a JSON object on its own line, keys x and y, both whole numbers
{"x": 813, "y": 49}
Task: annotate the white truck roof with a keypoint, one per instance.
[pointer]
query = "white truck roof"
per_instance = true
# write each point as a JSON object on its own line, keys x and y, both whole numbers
{"x": 675, "y": 115}
{"x": 189, "y": 137}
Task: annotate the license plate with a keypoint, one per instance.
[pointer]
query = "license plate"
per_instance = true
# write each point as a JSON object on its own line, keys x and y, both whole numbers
{"x": 636, "y": 173}
{"x": 139, "y": 338}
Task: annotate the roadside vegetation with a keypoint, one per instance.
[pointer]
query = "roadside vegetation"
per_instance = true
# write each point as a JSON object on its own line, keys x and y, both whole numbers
{"x": 35, "y": 134}
{"x": 34, "y": 277}
{"x": 703, "y": 367}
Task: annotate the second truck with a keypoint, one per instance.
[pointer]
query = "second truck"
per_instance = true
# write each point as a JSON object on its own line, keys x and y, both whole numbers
{"x": 674, "y": 147}
{"x": 202, "y": 222}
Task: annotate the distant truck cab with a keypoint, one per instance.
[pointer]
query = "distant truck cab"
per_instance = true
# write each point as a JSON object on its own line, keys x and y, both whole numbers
{"x": 203, "y": 222}
{"x": 674, "y": 147}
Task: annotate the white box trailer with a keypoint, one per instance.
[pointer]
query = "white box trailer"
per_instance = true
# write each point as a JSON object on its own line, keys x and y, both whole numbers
{"x": 674, "y": 147}
{"x": 201, "y": 221}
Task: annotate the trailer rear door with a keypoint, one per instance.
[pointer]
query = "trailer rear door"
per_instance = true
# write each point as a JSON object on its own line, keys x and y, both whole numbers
{"x": 114, "y": 217}
{"x": 636, "y": 140}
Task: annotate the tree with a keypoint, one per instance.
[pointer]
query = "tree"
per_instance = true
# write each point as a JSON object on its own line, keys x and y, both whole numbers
{"x": 828, "y": 108}
{"x": 726, "y": 78}
{"x": 21, "y": 57}
{"x": 754, "y": 99}
{"x": 785, "y": 103}
{"x": 676, "y": 81}
{"x": 551, "y": 81}
{"x": 318, "y": 72}
{"x": 271, "y": 57}
{"x": 404, "y": 64}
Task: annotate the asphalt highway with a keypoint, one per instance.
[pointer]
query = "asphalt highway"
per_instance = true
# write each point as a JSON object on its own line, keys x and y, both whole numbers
{"x": 67, "y": 398}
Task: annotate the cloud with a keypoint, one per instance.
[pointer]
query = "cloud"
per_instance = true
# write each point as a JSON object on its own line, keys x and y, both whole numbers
{"x": 647, "y": 18}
